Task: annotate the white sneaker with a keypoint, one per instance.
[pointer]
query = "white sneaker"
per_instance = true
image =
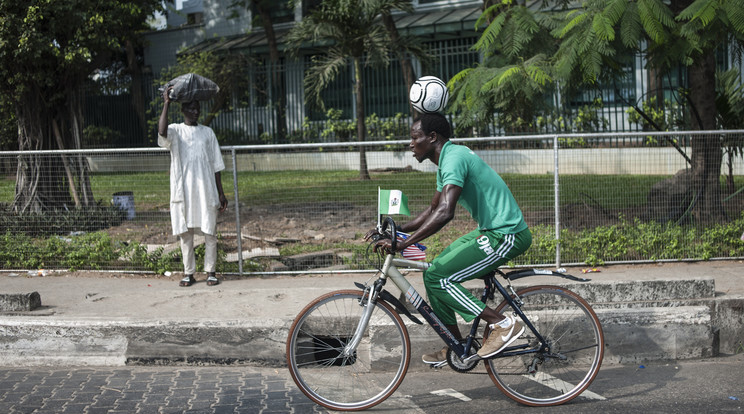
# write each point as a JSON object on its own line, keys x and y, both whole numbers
{"x": 436, "y": 358}
{"x": 499, "y": 338}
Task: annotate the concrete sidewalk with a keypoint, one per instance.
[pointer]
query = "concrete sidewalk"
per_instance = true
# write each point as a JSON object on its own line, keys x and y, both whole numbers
{"x": 673, "y": 310}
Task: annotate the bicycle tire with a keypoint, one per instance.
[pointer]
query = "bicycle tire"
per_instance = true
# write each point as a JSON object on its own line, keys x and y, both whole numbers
{"x": 357, "y": 382}
{"x": 573, "y": 332}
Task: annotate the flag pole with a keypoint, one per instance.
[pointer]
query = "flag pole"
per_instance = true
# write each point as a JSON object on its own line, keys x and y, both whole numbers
{"x": 379, "y": 216}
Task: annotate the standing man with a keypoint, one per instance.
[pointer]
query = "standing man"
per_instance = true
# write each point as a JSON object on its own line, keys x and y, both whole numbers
{"x": 502, "y": 234}
{"x": 195, "y": 185}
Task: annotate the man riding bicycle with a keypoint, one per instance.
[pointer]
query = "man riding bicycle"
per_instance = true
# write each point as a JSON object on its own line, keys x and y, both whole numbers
{"x": 502, "y": 234}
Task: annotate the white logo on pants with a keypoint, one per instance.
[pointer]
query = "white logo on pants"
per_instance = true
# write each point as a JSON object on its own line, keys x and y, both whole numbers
{"x": 484, "y": 244}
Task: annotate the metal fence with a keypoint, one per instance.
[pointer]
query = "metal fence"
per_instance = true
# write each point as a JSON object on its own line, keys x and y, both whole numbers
{"x": 303, "y": 207}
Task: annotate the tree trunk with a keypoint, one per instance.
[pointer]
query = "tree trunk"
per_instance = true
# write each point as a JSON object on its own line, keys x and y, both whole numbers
{"x": 730, "y": 186}
{"x": 40, "y": 179}
{"x": 68, "y": 171}
{"x": 83, "y": 169}
{"x": 278, "y": 94}
{"x": 45, "y": 182}
{"x": 28, "y": 175}
{"x": 706, "y": 149}
{"x": 403, "y": 57}
{"x": 138, "y": 98}
{"x": 361, "y": 127}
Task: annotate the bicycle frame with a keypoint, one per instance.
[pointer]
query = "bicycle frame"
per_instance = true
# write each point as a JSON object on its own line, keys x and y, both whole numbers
{"x": 390, "y": 271}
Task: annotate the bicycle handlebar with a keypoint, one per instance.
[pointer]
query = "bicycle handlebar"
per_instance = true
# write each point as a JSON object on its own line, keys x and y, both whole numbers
{"x": 393, "y": 233}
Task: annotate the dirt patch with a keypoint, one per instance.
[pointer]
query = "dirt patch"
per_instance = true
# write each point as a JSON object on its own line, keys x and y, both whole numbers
{"x": 263, "y": 226}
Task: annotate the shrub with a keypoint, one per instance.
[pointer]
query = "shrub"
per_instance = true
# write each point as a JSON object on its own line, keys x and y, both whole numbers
{"x": 65, "y": 222}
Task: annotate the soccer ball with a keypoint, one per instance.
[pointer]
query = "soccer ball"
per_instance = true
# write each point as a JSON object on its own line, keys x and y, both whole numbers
{"x": 428, "y": 94}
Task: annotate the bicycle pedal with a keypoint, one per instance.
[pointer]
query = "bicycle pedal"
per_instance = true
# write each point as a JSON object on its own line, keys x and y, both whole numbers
{"x": 438, "y": 365}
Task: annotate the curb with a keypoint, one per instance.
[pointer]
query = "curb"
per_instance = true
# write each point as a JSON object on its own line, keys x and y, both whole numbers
{"x": 667, "y": 323}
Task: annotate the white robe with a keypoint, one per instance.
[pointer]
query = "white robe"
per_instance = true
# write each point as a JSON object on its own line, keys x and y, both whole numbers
{"x": 195, "y": 158}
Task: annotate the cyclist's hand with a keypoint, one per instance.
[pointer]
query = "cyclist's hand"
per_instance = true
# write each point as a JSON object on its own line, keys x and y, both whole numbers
{"x": 383, "y": 245}
{"x": 372, "y": 235}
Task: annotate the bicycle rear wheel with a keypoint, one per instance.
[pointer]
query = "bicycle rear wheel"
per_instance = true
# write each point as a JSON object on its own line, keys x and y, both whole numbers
{"x": 574, "y": 354}
{"x": 358, "y": 381}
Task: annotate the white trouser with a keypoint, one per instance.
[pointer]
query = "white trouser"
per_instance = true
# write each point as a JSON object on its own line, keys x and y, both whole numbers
{"x": 187, "y": 251}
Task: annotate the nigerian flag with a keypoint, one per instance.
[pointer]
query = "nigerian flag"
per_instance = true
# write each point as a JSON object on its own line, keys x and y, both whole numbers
{"x": 392, "y": 202}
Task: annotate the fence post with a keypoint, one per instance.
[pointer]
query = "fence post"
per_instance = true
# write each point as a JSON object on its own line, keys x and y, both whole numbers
{"x": 557, "y": 207}
{"x": 237, "y": 212}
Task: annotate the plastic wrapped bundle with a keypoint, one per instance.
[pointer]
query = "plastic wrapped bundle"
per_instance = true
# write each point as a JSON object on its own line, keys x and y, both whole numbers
{"x": 191, "y": 87}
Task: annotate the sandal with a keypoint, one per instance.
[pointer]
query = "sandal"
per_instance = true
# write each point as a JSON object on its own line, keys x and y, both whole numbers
{"x": 212, "y": 280}
{"x": 187, "y": 281}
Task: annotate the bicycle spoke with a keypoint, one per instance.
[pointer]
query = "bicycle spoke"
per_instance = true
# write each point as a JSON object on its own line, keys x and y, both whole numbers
{"x": 317, "y": 342}
{"x": 575, "y": 348}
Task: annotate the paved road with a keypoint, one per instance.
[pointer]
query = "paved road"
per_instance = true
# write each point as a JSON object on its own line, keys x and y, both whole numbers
{"x": 711, "y": 385}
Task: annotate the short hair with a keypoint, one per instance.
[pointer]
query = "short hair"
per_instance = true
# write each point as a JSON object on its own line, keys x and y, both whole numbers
{"x": 436, "y": 122}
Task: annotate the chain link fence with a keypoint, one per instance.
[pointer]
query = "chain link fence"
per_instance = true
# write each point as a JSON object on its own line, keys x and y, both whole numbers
{"x": 305, "y": 207}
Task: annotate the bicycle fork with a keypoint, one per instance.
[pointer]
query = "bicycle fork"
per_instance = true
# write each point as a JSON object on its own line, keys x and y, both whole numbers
{"x": 368, "y": 302}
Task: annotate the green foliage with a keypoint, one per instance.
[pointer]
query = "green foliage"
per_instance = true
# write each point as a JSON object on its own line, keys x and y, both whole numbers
{"x": 8, "y": 128}
{"x": 336, "y": 129}
{"x": 76, "y": 220}
{"x": 87, "y": 251}
{"x": 156, "y": 261}
{"x": 730, "y": 105}
{"x": 348, "y": 30}
{"x": 99, "y": 137}
{"x": 637, "y": 240}
{"x": 18, "y": 251}
{"x": 586, "y": 119}
{"x": 514, "y": 91}
{"x": 393, "y": 128}
{"x": 666, "y": 117}
{"x": 561, "y": 47}
{"x": 91, "y": 251}
{"x": 52, "y": 46}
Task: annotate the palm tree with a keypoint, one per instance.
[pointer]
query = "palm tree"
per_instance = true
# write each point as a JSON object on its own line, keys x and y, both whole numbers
{"x": 730, "y": 106}
{"x": 348, "y": 30}
{"x": 263, "y": 9}
{"x": 583, "y": 44}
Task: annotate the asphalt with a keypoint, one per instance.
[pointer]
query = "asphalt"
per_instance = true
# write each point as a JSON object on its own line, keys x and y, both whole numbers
{"x": 82, "y": 311}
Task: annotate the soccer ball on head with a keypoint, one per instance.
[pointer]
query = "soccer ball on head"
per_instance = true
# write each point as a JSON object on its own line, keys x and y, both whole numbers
{"x": 428, "y": 94}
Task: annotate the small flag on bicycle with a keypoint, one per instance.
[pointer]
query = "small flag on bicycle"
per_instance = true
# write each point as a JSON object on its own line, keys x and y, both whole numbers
{"x": 393, "y": 202}
{"x": 414, "y": 251}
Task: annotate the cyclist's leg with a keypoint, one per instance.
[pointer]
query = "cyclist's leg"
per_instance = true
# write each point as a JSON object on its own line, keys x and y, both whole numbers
{"x": 471, "y": 256}
{"x": 441, "y": 309}
{"x": 504, "y": 330}
{"x": 441, "y": 267}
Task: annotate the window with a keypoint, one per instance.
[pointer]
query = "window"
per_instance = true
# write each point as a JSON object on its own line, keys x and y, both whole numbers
{"x": 195, "y": 18}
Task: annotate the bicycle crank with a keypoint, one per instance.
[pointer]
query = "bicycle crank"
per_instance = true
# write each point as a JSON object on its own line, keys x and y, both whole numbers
{"x": 464, "y": 365}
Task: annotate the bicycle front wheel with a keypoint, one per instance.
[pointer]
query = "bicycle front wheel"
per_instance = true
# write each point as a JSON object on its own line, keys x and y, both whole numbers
{"x": 569, "y": 363}
{"x": 347, "y": 381}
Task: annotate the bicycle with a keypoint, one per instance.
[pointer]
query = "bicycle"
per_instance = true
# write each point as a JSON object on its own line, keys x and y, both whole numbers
{"x": 349, "y": 350}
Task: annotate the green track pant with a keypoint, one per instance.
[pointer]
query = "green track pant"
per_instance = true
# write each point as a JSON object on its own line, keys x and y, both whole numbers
{"x": 471, "y": 256}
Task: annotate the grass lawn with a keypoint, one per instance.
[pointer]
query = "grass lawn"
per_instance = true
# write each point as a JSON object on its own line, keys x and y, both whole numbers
{"x": 151, "y": 190}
